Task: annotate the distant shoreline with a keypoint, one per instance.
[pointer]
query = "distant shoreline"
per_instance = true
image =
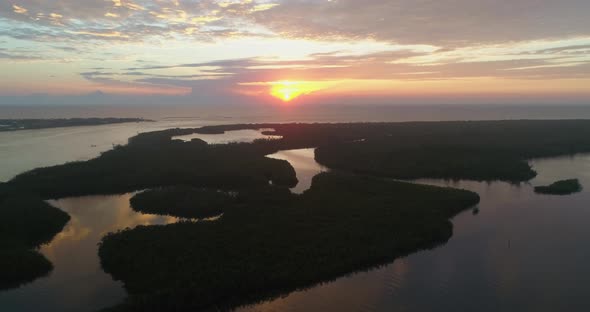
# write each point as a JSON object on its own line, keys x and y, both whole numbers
{"x": 35, "y": 124}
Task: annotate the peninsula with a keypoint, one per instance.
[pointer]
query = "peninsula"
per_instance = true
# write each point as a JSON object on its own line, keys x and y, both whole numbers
{"x": 269, "y": 242}
{"x": 29, "y": 124}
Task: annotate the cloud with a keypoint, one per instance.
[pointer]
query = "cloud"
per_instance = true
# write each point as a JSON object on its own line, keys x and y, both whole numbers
{"x": 128, "y": 20}
{"x": 18, "y": 10}
{"x": 66, "y": 48}
{"x": 530, "y": 61}
{"x": 19, "y": 55}
{"x": 448, "y": 23}
{"x": 156, "y": 43}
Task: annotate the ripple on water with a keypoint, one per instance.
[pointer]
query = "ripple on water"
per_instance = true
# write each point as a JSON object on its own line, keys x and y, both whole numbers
{"x": 522, "y": 252}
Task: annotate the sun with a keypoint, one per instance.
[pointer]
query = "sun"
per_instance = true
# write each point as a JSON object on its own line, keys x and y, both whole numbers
{"x": 287, "y": 90}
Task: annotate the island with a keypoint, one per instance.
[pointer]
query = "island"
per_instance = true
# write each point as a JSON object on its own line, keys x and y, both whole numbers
{"x": 265, "y": 248}
{"x": 364, "y": 213}
{"x": 29, "y": 124}
{"x": 26, "y": 222}
{"x": 183, "y": 202}
{"x": 562, "y": 187}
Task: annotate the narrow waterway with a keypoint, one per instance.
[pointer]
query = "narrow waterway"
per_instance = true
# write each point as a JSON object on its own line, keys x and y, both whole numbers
{"x": 77, "y": 282}
{"x": 303, "y": 161}
{"x": 521, "y": 251}
{"x": 237, "y": 136}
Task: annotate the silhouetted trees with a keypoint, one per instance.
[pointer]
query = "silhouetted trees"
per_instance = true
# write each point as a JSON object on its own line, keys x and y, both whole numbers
{"x": 270, "y": 241}
{"x": 26, "y": 222}
{"x": 477, "y": 150}
{"x": 162, "y": 162}
{"x": 183, "y": 202}
{"x": 24, "y": 124}
{"x": 563, "y": 187}
{"x": 342, "y": 224}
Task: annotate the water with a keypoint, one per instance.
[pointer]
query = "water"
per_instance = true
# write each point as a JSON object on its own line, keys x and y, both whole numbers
{"x": 305, "y": 166}
{"x": 28, "y": 149}
{"x": 21, "y": 151}
{"x": 25, "y": 150}
{"x": 521, "y": 252}
{"x": 77, "y": 282}
{"x": 237, "y": 136}
{"x": 297, "y": 112}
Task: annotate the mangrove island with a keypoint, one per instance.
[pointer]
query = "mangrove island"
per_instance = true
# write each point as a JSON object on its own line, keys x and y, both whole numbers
{"x": 563, "y": 187}
{"x": 269, "y": 242}
{"x": 29, "y": 124}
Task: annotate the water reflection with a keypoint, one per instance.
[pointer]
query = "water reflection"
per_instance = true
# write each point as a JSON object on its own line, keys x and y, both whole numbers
{"x": 28, "y": 149}
{"x": 237, "y": 136}
{"x": 77, "y": 282}
{"x": 303, "y": 161}
{"x": 522, "y": 252}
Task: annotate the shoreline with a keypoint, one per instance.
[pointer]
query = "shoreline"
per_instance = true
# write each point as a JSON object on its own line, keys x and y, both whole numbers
{"x": 9, "y": 125}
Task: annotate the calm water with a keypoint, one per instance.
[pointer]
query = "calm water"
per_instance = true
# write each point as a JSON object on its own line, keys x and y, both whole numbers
{"x": 28, "y": 149}
{"x": 305, "y": 166}
{"x": 523, "y": 251}
{"x": 238, "y": 136}
{"x": 25, "y": 150}
{"x": 295, "y": 112}
{"x": 77, "y": 282}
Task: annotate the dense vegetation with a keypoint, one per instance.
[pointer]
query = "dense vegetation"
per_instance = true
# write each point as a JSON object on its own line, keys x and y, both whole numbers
{"x": 25, "y": 124}
{"x": 20, "y": 266}
{"x": 183, "y": 202}
{"x": 272, "y": 241}
{"x": 156, "y": 163}
{"x": 25, "y": 223}
{"x": 486, "y": 150}
{"x": 478, "y": 150}
{"x": 342, "y": 224}
{"x": 563, "y": 187}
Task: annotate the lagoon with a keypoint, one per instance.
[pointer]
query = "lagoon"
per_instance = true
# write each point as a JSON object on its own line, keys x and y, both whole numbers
{"x": 77, "y": 282}
{"x": 520, "y": 251}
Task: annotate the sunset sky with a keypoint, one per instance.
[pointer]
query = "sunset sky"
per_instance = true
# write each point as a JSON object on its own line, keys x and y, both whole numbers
{"x": 209, "y": 52}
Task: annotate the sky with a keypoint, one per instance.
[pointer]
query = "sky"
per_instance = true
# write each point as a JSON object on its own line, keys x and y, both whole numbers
{"x": 294, "y": 51}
